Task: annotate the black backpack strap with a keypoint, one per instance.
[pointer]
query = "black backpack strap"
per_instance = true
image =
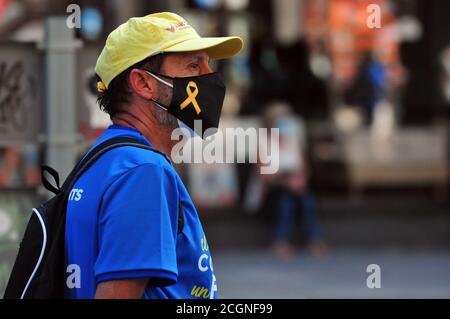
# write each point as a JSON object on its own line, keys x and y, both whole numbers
{"x": 52, "y": 172}
{"x": 180, "y": 216}
{"x": 92, "y": 156}
{"x": 87, "y": 161}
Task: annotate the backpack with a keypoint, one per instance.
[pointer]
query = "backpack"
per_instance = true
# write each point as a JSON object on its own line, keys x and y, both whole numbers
{"x": 39, "y": 268}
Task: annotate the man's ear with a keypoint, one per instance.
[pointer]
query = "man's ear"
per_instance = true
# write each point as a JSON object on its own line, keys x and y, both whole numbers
{"x": 142, "y": 84}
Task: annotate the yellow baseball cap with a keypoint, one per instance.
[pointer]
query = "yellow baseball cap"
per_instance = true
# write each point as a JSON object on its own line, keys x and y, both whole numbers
{"x": 142, "y": 37}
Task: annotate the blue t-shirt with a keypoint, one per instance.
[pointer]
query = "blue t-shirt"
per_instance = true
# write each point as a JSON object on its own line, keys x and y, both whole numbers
{"x": 122, "y": 222}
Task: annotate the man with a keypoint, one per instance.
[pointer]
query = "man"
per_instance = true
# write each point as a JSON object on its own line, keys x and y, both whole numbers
{"x": 121, "y": 227}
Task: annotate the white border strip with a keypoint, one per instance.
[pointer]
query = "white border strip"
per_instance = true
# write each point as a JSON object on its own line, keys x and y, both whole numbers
{"x": 44, "y": 243}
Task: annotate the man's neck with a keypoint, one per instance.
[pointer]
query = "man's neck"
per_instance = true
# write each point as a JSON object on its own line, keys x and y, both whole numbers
{"x": 139, "y": 118}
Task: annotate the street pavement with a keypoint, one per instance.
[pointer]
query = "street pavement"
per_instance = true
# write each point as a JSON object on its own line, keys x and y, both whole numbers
{"x": 343, "y": 274}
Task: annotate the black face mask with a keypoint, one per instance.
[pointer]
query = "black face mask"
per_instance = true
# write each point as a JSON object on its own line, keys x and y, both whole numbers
{"x": 195, "y": 98}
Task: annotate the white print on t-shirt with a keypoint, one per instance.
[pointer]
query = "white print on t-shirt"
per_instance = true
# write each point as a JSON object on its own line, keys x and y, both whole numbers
{"x": 75, "y": 194}
{"x": 204, "y": 264}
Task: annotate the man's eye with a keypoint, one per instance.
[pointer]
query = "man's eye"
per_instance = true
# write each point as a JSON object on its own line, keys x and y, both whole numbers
{"x": 194, "y": 66}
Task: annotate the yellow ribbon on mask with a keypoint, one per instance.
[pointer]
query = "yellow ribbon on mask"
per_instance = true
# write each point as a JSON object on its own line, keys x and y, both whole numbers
{"x": 192, "y": 92}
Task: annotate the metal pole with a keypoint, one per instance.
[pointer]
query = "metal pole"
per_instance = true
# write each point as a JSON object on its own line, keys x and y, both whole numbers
{"x": 60, "y": 128}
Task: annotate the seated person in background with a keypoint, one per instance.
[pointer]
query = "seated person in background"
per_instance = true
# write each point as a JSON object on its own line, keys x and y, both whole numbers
{"x": 290, "y": 183}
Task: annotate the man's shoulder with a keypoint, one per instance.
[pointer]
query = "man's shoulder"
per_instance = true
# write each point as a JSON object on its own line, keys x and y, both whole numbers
{"x": 128, "y": 170}
{"x": 134, "y": 154}
{"x": 125, "y": 160}
{"x": 130, "y": 157}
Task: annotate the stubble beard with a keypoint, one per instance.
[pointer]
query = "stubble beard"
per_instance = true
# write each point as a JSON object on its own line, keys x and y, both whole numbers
{"x": 163, "y": 117}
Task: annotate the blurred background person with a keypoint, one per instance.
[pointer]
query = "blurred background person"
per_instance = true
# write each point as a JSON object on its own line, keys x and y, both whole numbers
{"x": 367, "y": 88}
{"x": 288, "y": 189}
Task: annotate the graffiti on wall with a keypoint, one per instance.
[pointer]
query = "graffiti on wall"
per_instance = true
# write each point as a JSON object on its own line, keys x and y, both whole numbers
{"x": 17, "y": 95}
{"x": 20, "y": 114}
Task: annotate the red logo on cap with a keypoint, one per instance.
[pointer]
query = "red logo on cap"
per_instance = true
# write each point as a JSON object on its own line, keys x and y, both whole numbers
{"x": 171, "y": 29}
{"x": 179, "y": 26}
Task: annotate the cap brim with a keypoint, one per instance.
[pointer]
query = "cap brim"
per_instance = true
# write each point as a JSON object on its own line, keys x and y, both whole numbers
{"x": 217, "y": 47}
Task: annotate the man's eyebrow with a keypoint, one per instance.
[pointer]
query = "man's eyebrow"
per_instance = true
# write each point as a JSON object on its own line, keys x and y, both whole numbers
{"x": 199, "y": 58}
